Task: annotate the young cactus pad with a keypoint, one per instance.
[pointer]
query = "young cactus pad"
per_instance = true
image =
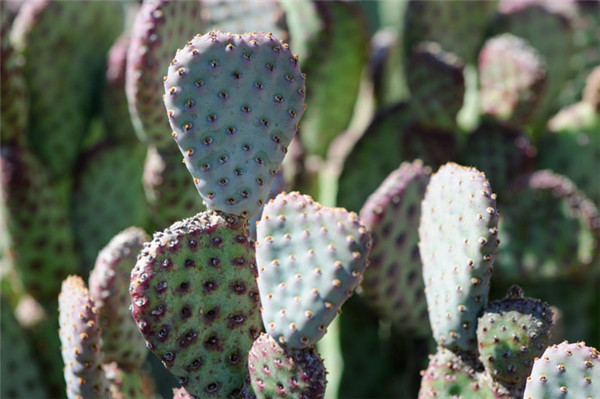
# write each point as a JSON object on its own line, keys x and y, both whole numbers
{"x": 195, "y": 300}
{"x": 234, "y": 103}
{"x": 277, "y": 372}
{"x": 565, "y": 371}
{"x": 457, "y": 244}
{"x": 80, "y": 337}
{"x": 310, "y": 259}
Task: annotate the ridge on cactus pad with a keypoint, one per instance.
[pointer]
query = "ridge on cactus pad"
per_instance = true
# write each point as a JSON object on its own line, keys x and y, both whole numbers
{"x": 458, "y": 242}
{"x": 234, "y": 103}
{"x": 310, "y": 259}
{"x": 278, "y": 372}
{"x": 195, "y": 300}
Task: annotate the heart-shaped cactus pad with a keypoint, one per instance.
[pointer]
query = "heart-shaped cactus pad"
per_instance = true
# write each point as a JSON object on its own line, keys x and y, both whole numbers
{"x": 195, "y": 300}
{"x": 310, "y": 258}
{"x": 234, "y": 103}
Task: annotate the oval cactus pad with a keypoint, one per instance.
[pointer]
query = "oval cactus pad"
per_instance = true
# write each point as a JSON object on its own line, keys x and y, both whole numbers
{"x": 310, "y": 258}
{"x": 234, "y": 102}
{"x": 458, "y": 241}
{"x": 195, "y": 300}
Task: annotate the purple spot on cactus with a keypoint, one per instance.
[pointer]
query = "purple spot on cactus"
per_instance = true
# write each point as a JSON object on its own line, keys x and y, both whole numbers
{"x": 211, "y": 315}
{"x": 195, "y": 365}
{"x": 254, "y": 296}
{"x": 241, "y": 238}
{"x": 211, "y": 388}
{"x": 163, "y": 334}
{"x": 240, "y": 261}
{"x": 159, "y": 311}
{"x": 254, "y": 333}
{"x": 209, "y": 286}
{"x": 187, "y": 339}
{"x": 183, "y": 287}
{"x": 236, "y": 75}
{"x": 192, "y": 244}
{"x": 401, "y": 239}
{"x": 189, "y": 263}
{"x": 168, "y": 357}
{"x": 238, "y": 287}
{"x": 214, "y": 262}
{"x": 212, "y": 343}
{"x": 167, "y": 263}
{"x": 216, "y": 241}
{"x": 412, "y": 277}
{"x": 235, "y": 320}
{"x": 185, "y": 312}
{"x": 234, "y": 358}
{"x": 183, "y": 381}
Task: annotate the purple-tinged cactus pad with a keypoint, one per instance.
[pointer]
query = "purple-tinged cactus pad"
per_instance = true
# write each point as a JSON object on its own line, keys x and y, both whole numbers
{"x": 393, "y": 283}
{"x": 234, "y": 103}
{"x": 458, "y": 241}
{"x": 195, "y": 300}
{"x": 565, "y": 371}
{"x": 80, "y": 338}
{"x": 281, "y": 372}
{"x": 310, "y": 259}
{"x": 511, "y": 333}
{"x": 159, "y": 29}
{"x": 109, "y": 285}
{"x": 512, "y": 78}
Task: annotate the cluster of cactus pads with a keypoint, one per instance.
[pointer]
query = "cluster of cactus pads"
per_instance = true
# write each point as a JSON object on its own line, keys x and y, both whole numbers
{"x": 449, "y": 156}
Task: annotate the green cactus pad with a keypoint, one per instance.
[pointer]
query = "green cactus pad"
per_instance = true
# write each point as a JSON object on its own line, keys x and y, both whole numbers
{"x": 276, "y": 371}
{"x": 565, "y": 371}
{"x": 64, "y": 45}
{"x": 80, "y": 337}
{"x": 458, "y": 241}
{"x": 195, "y": 300}
{"x": 512, "y": 78}
{"x": 159, "y": 29}
{"x": 310, "y": 259}
{"x": 109, "y": 285}
{"x": 458, "y": 26}
{"x": 42, "y": 242}
{"x": 437, "y": 85}
{"x": 234, "y": 103}
{"x": 108, "y": 196}
{"x": 337, "y": 56}
{"x": 20, "y": 372}
{"x": 511, "y": 333}
{"x": 170, "y": 193}
{"x": 393, "y": 283}
{"x": 500, "y": 151}
{"x": 451, "y": 376}
{"x": 548, "y": 229}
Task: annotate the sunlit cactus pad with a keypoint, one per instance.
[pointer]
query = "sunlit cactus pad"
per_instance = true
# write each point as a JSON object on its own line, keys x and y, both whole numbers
{"x": 80, "y": 338}
{"x": 278, "y": 372}
{"x": 458, "y": 241}
{"x": 195, "y": 300}
{"x": 565, "y": 371}
{"x": 310, "y": 259}
{"x": 234, "y": 103}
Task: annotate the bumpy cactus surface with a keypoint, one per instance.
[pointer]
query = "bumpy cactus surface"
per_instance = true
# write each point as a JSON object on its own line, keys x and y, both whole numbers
{"x": 195, "y": 300}
{"x": 565, "y": 370}
{"x": 234, "y": 103}
{"x": 310, "y": 259}
{"x": 277, "y": 371}
{"x": 458, "y": 234}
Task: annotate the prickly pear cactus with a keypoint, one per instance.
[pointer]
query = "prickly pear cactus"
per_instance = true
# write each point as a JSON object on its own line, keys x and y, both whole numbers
{"x": 277, "y": 371}
{"x": 195, "y": 300}
{"x": 109, "y": 285}
{"x": 80, "y": 337}
{"x": 393, "y": 283}
{"x": 160, "y": 28}
{"x": 458, "y": 241}
{"x": 310, "y": 259}
{"x": 234, "y": 103}
{"x": 511, "y": 333}
{"x": 64, "y": 44}
{"x": 565, "y": 370}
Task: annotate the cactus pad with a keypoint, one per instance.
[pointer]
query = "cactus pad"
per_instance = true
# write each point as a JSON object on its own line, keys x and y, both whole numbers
{"x": 195, "y": 300}
{"x": 393, "y": 283}
{"x": 80, "y": 337}
{"x": 310, "y": 259}
{"x": 234, "y": 103}
{"x": 511, "y": 333}
{"x": 565, "y": 371}
{"x": 278, "y": 372}
{"x": 458, "y": 241}
{"x": 109, "y": 285}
